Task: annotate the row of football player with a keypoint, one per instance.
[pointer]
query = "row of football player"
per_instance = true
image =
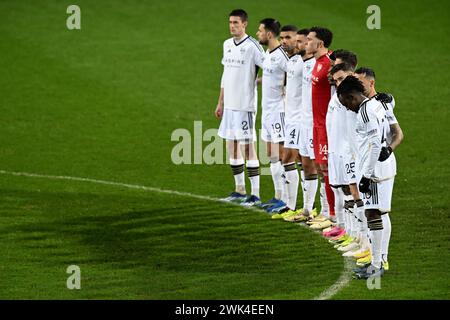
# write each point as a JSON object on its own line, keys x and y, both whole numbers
{"x": 320, "y": 113}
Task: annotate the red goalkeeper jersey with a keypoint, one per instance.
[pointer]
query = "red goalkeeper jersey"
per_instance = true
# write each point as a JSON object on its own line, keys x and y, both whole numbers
{"x": 321, "y": 90}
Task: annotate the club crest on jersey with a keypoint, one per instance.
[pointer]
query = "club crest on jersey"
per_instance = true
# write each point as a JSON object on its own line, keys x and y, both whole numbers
{"x": 319, "y": 67}
{"x": 242, "y": 50}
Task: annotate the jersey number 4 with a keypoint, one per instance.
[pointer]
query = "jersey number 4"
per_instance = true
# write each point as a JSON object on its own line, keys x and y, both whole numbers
{"x": 292, "y": 134}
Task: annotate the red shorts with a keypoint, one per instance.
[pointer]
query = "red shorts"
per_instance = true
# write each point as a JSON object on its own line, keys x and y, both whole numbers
{"x": 320, "y": 143}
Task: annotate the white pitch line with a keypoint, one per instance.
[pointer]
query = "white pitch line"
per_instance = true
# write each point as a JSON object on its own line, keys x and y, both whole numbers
{"x": 341, "y": 282}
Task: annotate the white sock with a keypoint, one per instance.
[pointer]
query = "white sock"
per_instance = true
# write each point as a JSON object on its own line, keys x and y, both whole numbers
{"x": 351, "y": 214}
{"x": 323, "y": 199}
{"x": 237, "y": 166}
{"x": 386, "y": 236}
{"x": 362, "y": 220}
{"x": 339, "y": 206}
{"x": 253, "y": 176}
{"x": 302, "y": 181}
{"x": 310, "y": 187}
{"x": 285, "y": 191}
{"x": 277, "y": 170}
{"x": 347, "y": 223}
{"x": 376, "y": 237}
{"x": 355, "y": 223}
{"x": 292, "y": 182}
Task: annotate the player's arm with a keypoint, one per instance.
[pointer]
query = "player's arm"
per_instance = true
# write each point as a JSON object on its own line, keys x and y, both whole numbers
{"x": 258, "y": 57}
{"x": 374, "y": 137}
{"x": 397, "y": 135}
{"x": 396, "y": 130}
{"x": 219, "y": 108}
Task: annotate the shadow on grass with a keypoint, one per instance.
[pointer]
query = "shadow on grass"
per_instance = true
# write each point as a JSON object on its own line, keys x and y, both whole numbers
{"x": 164, "y": 234}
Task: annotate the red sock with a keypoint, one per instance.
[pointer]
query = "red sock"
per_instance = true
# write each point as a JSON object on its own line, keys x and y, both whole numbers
{"x": 330, "y": 195}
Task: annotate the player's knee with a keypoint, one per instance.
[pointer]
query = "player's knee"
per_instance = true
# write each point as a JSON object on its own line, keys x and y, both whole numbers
{"x": 374, "y": 221}
{"x": 346, "y": 190}
{"x": 309, "y": 169}
{"x": 289, "y": 156}
{"x": 372, "y": 214}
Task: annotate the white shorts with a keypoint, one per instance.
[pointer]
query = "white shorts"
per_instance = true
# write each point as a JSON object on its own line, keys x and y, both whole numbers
{"x": 292, "y": 137}
{"x": 238, "y": 125}
{"x": 336, "y": 172}
{"x": 351, "y": 170}
{"x": 380, "y": 195}
{"x": 306, "y": 142}
{"x": 273, "y": 127}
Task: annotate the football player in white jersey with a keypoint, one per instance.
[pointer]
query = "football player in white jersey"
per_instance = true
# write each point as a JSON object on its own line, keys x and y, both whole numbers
{"x": 338, "y": 148}
{"x": 353, "y": 205}
{"x": 376, "y": 184}
{"x": 306, "y": 149}
{"x": 237, "y": 105}
{"x": 393, "y": 140}
{"x": 344, "y": 170}
{"x": 293, "y": 100}
{"x": 273, "y": 116}
{"x": 344, "y": 173}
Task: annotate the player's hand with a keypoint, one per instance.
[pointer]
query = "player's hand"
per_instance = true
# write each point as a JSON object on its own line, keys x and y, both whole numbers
{"x": 384, "y": 97}
{"x": 219, "y": 111}
{"x": 385, "y": 153}
{"x": 364, "y": 185}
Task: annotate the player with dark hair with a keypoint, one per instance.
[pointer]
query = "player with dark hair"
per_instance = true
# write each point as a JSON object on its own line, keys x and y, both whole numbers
{"x": 393, "y": 140}
{"x": 351, "y": 232}
{"x": 305, "y": 135}
{"x": 293, "y": 100}
{"x": 273, "y": 110}
{"x": 376, "y": 184}
{"x": 237, "y": 105}
{"x": 319, "y": 39}
{"x": 342, "y": 55}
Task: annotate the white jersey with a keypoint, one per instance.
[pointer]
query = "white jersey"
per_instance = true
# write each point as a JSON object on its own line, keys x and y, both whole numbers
{"x": 389, "y": 107}
{"x": 294, "y": 79}
{"x": 240, "y": 68}
{"x": 372, "y": 127}
{"x": 273, "y": 79}
{"x": 350, "y": 132}
{"x": 336, "y": 124}
{"x": 306, "y": 107}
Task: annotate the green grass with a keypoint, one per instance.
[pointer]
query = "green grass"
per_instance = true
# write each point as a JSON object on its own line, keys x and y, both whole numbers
{"x": 102, "y": 102}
